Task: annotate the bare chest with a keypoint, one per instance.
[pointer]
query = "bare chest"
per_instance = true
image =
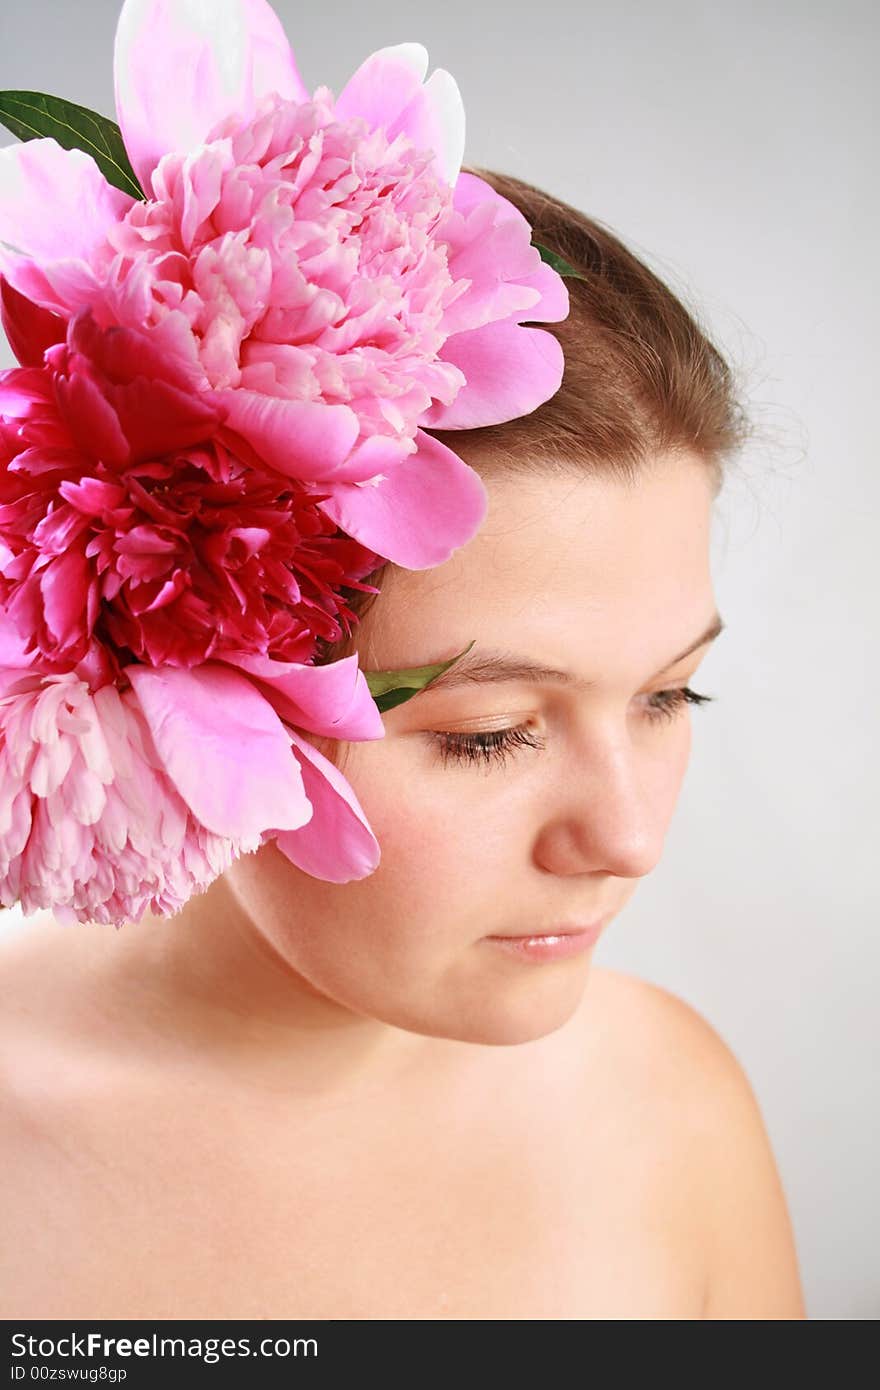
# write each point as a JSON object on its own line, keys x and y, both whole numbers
{"x": 188, "y": 1201}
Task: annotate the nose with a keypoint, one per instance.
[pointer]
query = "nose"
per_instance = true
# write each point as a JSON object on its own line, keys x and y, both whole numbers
{"x": 608, "y": 811}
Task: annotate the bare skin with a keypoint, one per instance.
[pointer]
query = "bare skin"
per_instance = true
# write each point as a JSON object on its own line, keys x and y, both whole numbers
{"x": 303, "y": 1099}
{"x": 144, "y": 1177}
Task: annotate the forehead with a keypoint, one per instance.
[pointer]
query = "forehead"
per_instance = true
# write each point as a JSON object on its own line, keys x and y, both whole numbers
{"x": 561, "y": 561}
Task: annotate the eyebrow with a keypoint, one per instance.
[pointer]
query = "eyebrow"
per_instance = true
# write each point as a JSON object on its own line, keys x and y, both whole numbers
{"x": 498, "y": 666}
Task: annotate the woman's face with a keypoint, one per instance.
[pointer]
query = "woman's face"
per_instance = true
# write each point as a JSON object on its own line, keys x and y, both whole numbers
{"x": 604, "y": 580}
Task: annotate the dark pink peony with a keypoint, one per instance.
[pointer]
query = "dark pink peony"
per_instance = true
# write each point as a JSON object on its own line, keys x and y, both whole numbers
{"x": 126, "y": 518}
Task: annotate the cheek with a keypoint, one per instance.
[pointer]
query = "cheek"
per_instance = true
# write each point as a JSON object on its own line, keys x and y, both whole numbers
{"x": 431, "y": 846}
{"x": 680, "y": 751}
{"x": 665, "y": 773}
{"x": 445, "y": 835}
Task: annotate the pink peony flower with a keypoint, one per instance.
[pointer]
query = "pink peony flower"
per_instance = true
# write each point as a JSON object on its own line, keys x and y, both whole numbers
{"x": 344, "y": 285}
{"x": 115, "y": 803}
{"x": 220, "y": 423}
{"x": 91, "y": 819}
{"x": 133, "y": 766}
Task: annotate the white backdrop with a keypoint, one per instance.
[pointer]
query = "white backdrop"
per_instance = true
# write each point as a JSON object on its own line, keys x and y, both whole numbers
{"x": 730, "y": 146}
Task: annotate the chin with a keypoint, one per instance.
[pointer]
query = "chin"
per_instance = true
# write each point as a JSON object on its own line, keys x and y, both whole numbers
{"x": 541, "y": 1001}
{"x": 523, "y": 1027}
{"x": 523, "y": 1017}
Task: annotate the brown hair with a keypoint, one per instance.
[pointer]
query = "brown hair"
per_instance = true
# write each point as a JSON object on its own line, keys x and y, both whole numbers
{"x": 641, "y": 376}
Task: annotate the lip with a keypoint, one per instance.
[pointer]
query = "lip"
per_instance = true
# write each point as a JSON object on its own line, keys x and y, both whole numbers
{"x": 558, "y": 943}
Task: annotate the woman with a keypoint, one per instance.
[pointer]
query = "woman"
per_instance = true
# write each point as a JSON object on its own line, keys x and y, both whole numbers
{"x": 414, "y": 1095}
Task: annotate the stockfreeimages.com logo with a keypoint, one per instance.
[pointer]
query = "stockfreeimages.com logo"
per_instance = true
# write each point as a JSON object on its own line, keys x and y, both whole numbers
{"x": 208, "y": 1349}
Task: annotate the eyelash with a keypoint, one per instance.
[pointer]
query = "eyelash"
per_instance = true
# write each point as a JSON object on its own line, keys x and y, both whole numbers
{"x": 497, "y": 743}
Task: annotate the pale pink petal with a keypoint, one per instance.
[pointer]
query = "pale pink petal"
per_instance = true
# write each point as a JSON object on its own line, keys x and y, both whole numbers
{"x": 302, "y": 439}
{"x": 510, "y": 371}
{"x": 374, "y": 455}
{"x": 554, "y": 304}
{"x": 490, "y": 254}
{"x": 470, "y": 191}
{"x": 490, "y": 299}
{"x": 91, "y": 825}
{"x": 223, "y": 746}
{"x": 333, "y": 699}
{"x": 419, "y": 513}
{"x": 434, "y": 119}
{"x": 55, "y": 204}
{"x": 481, "y": 207}
{"x": 388, "y": 89}
{"x": 63, "y": 286}
{"x": 383, "y": 85}
{"x": 181, "y": 66}
{"x": 337, "y": 844}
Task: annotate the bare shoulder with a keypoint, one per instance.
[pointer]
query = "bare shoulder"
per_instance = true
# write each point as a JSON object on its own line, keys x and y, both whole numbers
{"x": 697, "y": 1084}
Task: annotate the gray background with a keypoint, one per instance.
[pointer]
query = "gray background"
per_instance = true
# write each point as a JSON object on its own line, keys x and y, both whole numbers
{"x": 731, "y": 147}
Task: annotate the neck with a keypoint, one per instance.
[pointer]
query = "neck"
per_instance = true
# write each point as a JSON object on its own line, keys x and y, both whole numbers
{"x": 210, "y": 979}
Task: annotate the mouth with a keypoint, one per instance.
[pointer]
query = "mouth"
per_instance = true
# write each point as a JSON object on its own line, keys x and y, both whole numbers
{"x": 556, "y": 943}
{"x": 559, "y": 943}
{"x": 551, "y": 933}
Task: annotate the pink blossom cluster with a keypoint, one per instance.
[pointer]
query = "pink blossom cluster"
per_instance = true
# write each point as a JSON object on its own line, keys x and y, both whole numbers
{"x": 218, "y": 428}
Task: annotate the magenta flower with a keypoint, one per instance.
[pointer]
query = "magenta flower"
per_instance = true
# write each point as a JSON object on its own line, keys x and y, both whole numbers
{"x": 220, "y": 422}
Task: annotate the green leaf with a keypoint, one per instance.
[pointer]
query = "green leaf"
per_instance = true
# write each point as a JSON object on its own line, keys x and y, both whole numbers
{"x": 391, "y": 688}
{"x": 30, "y": 115}
{"x": 561, "y": 266}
